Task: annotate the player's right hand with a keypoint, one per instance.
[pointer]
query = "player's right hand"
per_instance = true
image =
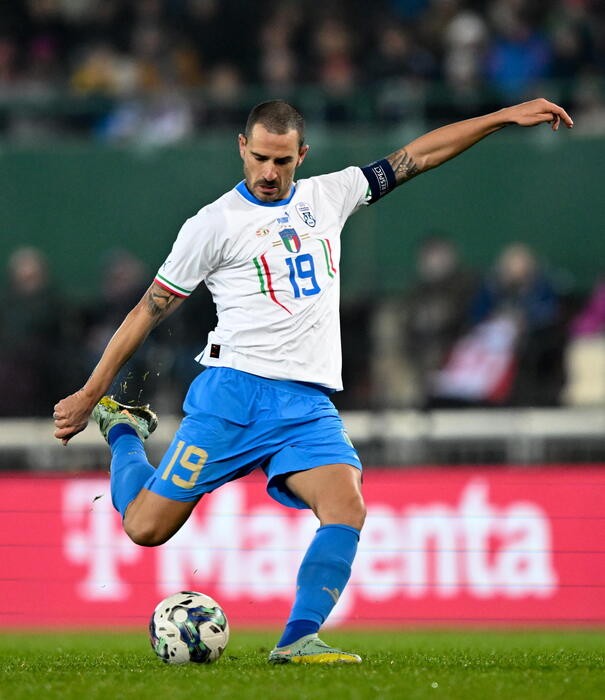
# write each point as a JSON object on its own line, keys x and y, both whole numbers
{"x": 71, "y": 416}
{"x": 537, "y": 112}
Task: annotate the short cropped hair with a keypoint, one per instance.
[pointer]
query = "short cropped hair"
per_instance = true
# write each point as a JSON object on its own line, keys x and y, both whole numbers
{"x": 278, "y": 117}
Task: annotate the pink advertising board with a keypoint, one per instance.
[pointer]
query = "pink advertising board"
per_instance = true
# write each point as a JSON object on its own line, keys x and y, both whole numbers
{"x": 457, "y": 546}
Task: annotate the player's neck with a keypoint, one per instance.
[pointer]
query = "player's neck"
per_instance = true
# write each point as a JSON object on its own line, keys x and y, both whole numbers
{"x": 244, "y": 190}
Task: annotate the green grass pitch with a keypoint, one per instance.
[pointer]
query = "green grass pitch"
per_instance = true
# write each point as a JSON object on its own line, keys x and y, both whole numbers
{"x": 406, "y": 665}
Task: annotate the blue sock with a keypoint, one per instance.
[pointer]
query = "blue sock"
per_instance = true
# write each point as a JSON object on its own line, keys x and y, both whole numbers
{"x": 129, "y": 466}
{"x": 322, "y": 576}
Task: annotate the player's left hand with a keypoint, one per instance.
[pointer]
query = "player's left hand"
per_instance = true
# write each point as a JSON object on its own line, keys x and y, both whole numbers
{"x": 71, "y": 416}
{"x": 538, "y": 111}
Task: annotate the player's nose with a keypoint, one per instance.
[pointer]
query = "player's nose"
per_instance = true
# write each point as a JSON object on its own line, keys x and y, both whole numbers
{"x": 270, "y": 173}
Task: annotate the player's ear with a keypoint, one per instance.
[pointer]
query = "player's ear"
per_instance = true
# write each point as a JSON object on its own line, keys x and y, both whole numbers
{"x": 302, "y": 152}
{"x": 242, "y": 141}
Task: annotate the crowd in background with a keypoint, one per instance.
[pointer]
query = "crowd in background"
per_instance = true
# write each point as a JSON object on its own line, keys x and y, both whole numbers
{"x": 50, "y": 344}
{"x": 162, "y": 69}
{"x": 460, "y": 339}
{"x": 512, "y": 336}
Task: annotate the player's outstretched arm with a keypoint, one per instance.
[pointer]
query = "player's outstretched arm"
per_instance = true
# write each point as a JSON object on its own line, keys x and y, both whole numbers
{"x": 71, "y": 413}
{"x": 437, "y": 147}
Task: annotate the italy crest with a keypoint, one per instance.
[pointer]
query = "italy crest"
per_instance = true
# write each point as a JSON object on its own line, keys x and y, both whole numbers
{"x": 289, "y": 237}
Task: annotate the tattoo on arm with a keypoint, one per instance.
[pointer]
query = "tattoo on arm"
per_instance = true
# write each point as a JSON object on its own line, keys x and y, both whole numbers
{"x": 403, "y": 166}
{"x": 159, "y": 302}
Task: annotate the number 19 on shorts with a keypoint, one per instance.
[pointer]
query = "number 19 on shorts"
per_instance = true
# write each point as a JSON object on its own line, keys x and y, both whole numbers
{"x": 191, "y": 459}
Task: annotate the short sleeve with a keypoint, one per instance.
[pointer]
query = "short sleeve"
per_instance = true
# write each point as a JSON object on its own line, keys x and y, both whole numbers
{"x": 348, "y": 189}
{"x": 193, "y": 257}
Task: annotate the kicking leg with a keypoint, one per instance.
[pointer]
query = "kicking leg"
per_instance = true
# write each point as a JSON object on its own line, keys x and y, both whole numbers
{"x": 334, "y": 494}
{"x": 148, "y": 518}
{"x": 151, "y": 519}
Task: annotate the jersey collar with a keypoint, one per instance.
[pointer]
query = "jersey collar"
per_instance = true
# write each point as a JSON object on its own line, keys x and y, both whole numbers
{"x": 246, "y": 194}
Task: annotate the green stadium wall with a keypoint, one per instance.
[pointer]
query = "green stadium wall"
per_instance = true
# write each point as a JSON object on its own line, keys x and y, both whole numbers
{"x": 76, "y": 201}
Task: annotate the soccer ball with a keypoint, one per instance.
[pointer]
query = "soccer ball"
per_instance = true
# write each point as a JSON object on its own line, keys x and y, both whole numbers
{"x": 188, "y": 626}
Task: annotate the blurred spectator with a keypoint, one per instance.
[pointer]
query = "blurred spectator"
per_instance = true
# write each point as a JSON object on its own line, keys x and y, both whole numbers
{"x": 102, "y": 69}
{"x": 432, "y": 24}
{"x": 124, "y": 279}
{"x": 414, "y": 335}
{"x": 465, "y": 44}
{"x": 355, "y": 320}
{"x": 278, "y": 63}
{"x": 8, "y": 64}
{"x": 46, "y": 27}
{"x": 398, "y": 55}
{"x": 522, "y": 305}
{"x": 8, "y": 77}
{"x": 571, "y": 25}
{"x": 571, "y": 50}
{"x": 519, "y": 287}
{"x": 590, "y": 321}
{"x": 589, "y": 106}
{"x": 30, "y": 337}
{"x": 156, "y": 121}
{"x": 597, "y": 29}
{"x": 396, "y": 67}
{"x": 225, "y": 106}
{"x": 585, "y": 353}
{"x": 333, "y": 66}
{"x": 520, "y": 55}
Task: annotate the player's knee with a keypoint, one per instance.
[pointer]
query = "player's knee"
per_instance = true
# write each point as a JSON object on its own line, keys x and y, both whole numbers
{"x": 145, "y": 533}
{"x": 348, "y": 510}
{"x": 358, "y": 512}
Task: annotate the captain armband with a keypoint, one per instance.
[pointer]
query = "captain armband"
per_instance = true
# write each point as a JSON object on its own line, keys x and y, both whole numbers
{"x": 380, "y": 177}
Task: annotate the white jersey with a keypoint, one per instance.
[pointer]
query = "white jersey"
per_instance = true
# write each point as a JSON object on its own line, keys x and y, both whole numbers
{"x": 273, "y": 271}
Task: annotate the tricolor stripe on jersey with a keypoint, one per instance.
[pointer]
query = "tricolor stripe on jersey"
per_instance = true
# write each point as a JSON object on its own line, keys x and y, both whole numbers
{"x": 328, "y": 256}
{"x": 171, "y": 287}
{"x": 264, "y": 278}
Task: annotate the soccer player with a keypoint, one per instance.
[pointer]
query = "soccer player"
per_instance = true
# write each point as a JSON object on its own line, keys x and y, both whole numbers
{"x": 268, "y": 251}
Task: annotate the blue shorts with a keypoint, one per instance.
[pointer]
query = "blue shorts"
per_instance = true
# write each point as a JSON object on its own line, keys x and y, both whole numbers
{"x": 235, "y": 422}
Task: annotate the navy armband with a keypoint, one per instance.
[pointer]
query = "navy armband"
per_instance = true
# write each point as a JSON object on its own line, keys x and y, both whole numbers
{"x": 380, "y": 177}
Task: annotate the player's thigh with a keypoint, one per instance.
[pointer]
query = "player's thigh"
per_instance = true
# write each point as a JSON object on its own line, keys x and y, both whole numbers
{"x": 332, "y": 491}
{"x": 152, "y": 519}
